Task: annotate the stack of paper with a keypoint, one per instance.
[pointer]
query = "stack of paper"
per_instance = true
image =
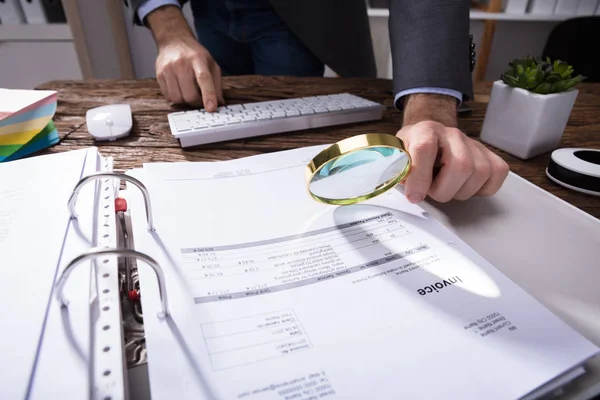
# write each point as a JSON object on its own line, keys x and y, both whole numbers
{"x": 26, "y": 122}
{"x": 275, "y": 296}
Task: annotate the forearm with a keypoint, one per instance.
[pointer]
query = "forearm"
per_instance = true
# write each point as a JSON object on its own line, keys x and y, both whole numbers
{"x": 420, "y": 107}
{"x": 168, "y": 23}
{"x": 430, "y": 45}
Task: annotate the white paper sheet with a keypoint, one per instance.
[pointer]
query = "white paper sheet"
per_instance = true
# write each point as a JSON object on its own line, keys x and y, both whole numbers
{"x": 67, "y": 331}
{"x": 275, "y": 296}
{"x": 33, "y": 201}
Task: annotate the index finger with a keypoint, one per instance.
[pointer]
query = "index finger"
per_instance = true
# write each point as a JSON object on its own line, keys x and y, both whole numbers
{"x": 206, "y": 82}
{"x": 422, "y": 146}
{"x": 218, "y": 84}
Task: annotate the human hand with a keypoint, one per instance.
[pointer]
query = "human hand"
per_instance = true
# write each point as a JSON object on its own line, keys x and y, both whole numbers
{"x": 467, "y": 167}
{"x": 185, "y": 70}
{"x": 187, "y": 73}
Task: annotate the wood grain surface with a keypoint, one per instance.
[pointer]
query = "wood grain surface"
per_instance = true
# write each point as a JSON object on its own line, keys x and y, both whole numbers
{"x": 151, "y": 139}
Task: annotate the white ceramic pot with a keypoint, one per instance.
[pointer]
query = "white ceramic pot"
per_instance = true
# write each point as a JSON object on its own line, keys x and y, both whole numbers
{"x": 523, "y": 123}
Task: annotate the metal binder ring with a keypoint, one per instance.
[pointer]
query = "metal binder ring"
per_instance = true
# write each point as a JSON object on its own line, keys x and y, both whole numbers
{"x": 98, "y": 175}
{"x": 97, "y": 252}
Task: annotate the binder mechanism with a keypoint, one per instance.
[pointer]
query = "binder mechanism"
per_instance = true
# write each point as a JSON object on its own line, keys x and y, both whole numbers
{"x": 113, "y": 347}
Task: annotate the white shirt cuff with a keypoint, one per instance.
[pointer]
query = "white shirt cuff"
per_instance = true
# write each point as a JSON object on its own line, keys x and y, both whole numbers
{"x": 151, "y": 5}
{"x": 449, "y": 92}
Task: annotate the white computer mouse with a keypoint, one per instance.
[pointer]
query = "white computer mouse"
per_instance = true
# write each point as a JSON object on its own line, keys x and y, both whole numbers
{"x": 109, "y": 122}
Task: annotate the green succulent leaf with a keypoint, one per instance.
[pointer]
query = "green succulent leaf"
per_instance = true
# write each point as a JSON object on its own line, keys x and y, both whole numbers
{"x": 562, "y": 68}
{"x": 574, "y": 81}
{"x": 523, "y": 80}
{"x": 510, "y": 80}
{"x": 543, "y": 88}
{"x": 540, "y": 76}
{"x": 559, "y": 86}
{"x": 553, "y": 77}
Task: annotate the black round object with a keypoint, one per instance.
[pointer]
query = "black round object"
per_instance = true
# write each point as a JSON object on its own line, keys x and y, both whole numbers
{"x": 576, "y": 169}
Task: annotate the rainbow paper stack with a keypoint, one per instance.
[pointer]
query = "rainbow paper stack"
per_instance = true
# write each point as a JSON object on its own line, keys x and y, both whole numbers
{"x": 26, "y": 122}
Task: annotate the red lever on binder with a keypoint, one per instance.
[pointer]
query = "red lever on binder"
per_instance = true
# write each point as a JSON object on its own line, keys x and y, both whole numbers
{"x": 120, "y": 204}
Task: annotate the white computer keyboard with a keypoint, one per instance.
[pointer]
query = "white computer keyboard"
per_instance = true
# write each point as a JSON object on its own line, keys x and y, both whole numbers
{"x": 239, "y": 121}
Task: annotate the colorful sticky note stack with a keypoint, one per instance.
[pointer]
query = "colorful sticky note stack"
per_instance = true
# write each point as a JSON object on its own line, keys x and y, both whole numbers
{"x": 26, "y": 124}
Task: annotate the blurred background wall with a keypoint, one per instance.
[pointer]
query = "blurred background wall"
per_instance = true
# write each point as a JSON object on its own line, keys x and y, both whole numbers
{"x": 43, "y": 40}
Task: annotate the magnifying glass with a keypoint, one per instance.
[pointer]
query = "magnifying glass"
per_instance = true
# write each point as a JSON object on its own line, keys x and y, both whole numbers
{"x": 357, "y": 168}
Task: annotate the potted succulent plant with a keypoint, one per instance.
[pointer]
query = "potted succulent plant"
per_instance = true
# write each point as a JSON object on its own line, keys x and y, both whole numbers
{"x": 530, "y": 106}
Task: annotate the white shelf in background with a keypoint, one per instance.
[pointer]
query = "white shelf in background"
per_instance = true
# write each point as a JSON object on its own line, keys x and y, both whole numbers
{"x": 483, "y": 15}
{"x": 35, "y": 32}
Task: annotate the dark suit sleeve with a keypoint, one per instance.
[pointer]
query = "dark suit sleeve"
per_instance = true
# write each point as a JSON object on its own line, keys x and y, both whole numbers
{"x": 134, "y": 5}
{"x": 430, "y": 45}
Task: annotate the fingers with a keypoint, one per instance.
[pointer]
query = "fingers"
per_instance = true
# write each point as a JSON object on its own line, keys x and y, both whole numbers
{"x": 489, "y": 173}
{"x": 468, "y": 168}
{"x": 482, "y": 171}
{"x": 173, "y": 87}
{"x": 205, "y": 80}
{"x": 218, "y": 86}
{"x": 162, "y": 83}
{"x": 457, "y": 166}
{"x": 181, "y": 83}
{"x": 188, "y": 88}
{"x": 187, "y": 73}
{"x": 422, "y": 145}
{"x": 498, "y": 175}
{"x": 166, "y": 76}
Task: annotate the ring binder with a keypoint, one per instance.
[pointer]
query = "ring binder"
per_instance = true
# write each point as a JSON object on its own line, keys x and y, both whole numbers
{"x": 97, "y": 252}
{"x": 98, "y": 175}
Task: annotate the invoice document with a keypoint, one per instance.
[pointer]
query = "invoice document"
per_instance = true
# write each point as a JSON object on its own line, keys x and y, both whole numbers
{"x": 273, "y": 295}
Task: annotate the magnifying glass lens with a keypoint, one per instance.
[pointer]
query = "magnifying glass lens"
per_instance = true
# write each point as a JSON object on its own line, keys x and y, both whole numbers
{"x": 359, "y": 173}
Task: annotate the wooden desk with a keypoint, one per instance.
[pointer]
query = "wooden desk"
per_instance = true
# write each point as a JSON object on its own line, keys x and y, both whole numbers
{"x": 151, "y": 139}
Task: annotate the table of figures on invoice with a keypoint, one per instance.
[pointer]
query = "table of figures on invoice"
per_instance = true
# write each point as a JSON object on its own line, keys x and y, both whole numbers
{"x": 255, "y": 268}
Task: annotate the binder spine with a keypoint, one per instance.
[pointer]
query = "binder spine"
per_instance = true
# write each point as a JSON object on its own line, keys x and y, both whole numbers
{"x": 108, "y": 343}
{"x": 105, "y": 365}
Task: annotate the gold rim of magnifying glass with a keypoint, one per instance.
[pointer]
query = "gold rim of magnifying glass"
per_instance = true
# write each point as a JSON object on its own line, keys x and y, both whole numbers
{"x": 352, "y": 144}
